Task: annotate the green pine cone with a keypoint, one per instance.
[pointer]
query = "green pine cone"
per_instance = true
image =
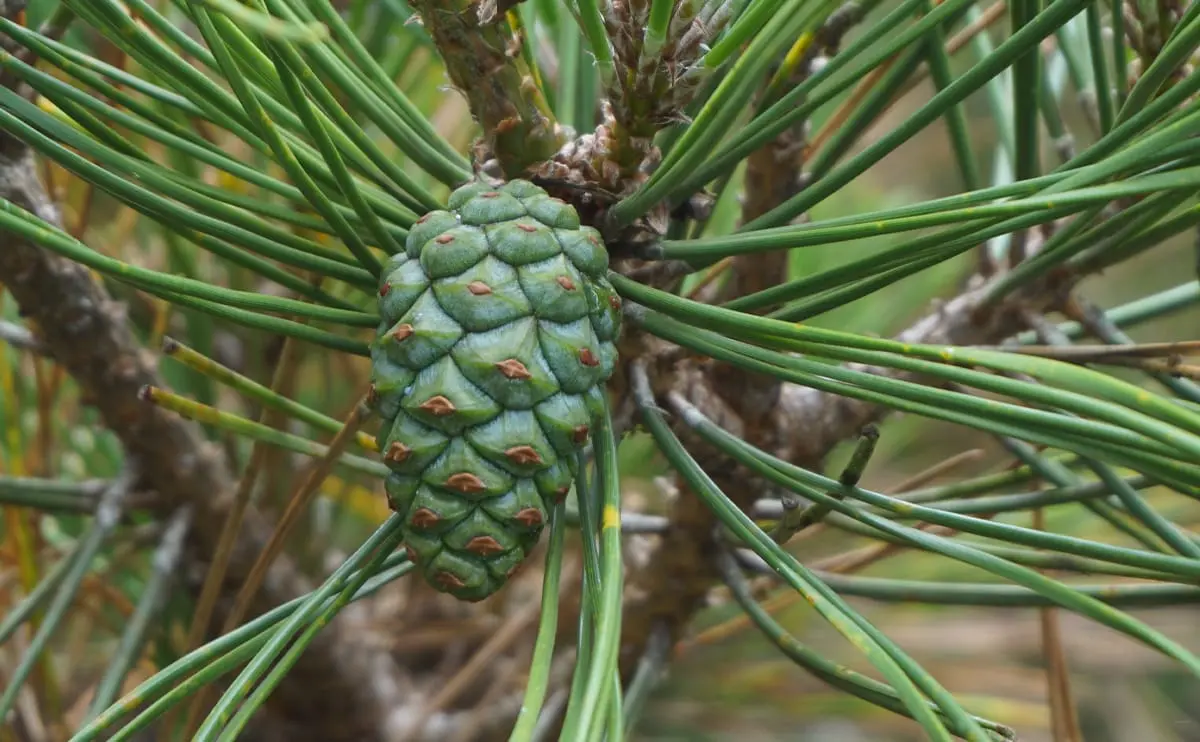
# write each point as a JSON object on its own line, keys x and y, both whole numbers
{"x": 488, "y": 369}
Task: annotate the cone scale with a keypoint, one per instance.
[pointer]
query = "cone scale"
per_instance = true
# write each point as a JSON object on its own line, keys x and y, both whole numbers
{"x": 488, "y": 370}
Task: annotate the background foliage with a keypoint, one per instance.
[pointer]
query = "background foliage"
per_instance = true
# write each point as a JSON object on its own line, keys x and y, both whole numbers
{"x": 161, "y": 146}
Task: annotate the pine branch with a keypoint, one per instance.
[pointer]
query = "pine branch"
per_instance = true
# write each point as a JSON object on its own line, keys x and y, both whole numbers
{"x": 826, "y": 419}
{"x": 337, "y": 691}
{"x": 774, "y": 174}
{"x": 674, "y": 581}
{"x": 671, "y": 579}
{"x": 485, "y": 62}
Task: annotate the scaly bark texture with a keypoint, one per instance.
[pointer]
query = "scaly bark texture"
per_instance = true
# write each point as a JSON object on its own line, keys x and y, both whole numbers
{"x": 336, "y": 692}
{"x": 484, "y": 61}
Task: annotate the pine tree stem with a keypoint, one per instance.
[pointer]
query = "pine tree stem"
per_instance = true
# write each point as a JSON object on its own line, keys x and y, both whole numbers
{"x": 485, "y": 62}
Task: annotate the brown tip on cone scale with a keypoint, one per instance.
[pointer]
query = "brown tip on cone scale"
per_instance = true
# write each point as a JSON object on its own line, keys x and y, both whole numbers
{"x": 588, "y": 358}
{"x": 614, "y": 302}
{"x": 523, "y": 455}
{"x": 566, "y": 283}
{"x": 484, "y": 546}
{"x": 384, "y": 289}
{"x": 412, "y": 554}
{"x": 424, "y": 518}
{"x": 513, "y": 369}
{"x": 403, "y": 332}
{"x": 527, "y": 228}
{"x": 489, "y": 194}
{"x": 450, "y": 581}
{"x": 466, "y": 483}
{"x": 439, "y": 406}
{"x": 529, "y": 517}
{"x": 479, "y": 288}
{"x": 444, "y": 239}
{"x": 397, "y": 452}
{"x": 424, "y": 218}
{"x": 580, "y": 434}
